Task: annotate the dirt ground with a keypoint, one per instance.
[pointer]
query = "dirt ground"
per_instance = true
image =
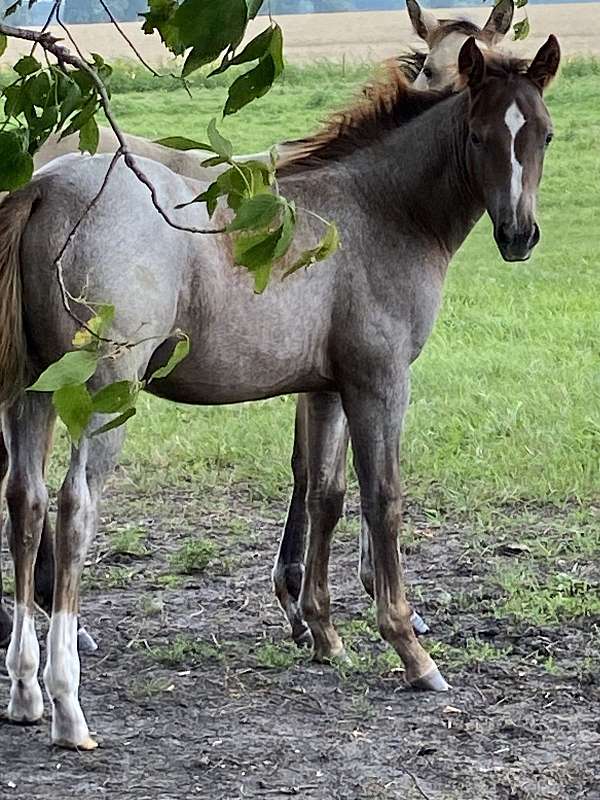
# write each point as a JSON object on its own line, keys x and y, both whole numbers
{"x": 361, "y": 36}
{"x": 235, "y": 712}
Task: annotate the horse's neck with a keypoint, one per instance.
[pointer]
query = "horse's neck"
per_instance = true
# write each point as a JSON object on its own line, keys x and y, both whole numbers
{"x": 417, "y": 178}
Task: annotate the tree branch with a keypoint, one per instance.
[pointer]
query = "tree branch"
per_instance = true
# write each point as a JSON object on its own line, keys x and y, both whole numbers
{"x": 52, "y": 45}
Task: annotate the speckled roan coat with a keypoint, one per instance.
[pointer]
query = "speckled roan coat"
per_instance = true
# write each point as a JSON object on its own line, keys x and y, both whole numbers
{"x": 406, "y": 178}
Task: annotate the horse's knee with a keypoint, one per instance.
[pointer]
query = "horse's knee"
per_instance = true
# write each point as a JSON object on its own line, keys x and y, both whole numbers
{"x": 326, "y": 499}
{"x": 27, "y": 502}
{"x": 383, "y": 504}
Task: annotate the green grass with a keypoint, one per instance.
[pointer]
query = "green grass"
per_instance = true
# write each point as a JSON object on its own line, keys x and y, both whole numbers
{"x": 128, "y": 541}
{"x": 185, "y": 650}
{"x": 193, "y": 555}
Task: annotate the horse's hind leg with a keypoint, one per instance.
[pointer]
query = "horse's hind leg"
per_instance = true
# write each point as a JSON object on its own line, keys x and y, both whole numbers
{"x": 77, "y": 519}
{"x": 289, "y": 564}
{"x": 5, "y": 621}
{"x": 327, "y": 440}
{"x": 25, "y": 429}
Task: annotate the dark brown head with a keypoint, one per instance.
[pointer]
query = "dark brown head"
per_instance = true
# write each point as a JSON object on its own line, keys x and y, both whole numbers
{"x": 445, "y": 37}
{"x": 509, "y": 131}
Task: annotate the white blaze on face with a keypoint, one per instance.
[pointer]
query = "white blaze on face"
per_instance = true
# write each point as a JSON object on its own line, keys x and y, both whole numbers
{"x": 514, "y": 121}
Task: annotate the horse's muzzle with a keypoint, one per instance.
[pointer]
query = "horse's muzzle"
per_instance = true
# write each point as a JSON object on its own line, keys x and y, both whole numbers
{"x": 516, "y": 244}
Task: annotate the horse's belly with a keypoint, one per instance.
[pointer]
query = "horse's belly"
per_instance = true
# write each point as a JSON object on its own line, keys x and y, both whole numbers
{"x": 221, "y": 374}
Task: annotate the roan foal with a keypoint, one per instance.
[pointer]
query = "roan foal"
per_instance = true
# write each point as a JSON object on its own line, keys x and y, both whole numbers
{"x": 406, "y": 176}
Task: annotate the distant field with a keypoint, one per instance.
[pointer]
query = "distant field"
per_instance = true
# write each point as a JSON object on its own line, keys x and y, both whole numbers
{"x": 359, "y": 36}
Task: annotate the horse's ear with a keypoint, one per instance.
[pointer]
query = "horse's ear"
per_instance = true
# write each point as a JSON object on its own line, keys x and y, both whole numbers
{"x": 545, "y": 65}
{"x": 499, "y": 22}
{"x": 424, "y": 23}
{"x": 471, "y": 64}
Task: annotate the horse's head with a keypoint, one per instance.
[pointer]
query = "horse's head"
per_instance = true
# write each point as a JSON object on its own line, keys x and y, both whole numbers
{"x": 445, "y": 37}
{"x": 509, "y": 131}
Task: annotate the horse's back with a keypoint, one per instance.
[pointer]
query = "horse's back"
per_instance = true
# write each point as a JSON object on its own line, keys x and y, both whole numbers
{"x": 123, "y": 253}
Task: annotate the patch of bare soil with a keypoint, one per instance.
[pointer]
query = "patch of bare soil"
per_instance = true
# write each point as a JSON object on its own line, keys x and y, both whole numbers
{"x": 194, "y": 692}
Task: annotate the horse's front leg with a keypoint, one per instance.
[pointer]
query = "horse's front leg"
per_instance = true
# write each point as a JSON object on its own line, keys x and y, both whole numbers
{"x": 375, "y": 412}
{"x": 76, "y": 525}
{"x": 327, "y": 440}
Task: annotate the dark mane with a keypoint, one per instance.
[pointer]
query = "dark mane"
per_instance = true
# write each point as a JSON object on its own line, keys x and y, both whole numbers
{"x": 382, "y": 106}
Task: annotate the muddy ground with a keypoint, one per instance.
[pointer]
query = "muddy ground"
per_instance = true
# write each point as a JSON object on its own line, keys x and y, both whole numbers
{"x": 194, "y": 691}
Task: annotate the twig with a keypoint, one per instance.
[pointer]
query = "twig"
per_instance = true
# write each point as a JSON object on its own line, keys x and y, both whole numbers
{"x": 51, "y": 44}
{"x": 68, "y": 32}
{"x": 57, "y": 264}
{"x": 140, "y": 57}
{"x": 416, "y": 783}
{"x": 53, "y": 10}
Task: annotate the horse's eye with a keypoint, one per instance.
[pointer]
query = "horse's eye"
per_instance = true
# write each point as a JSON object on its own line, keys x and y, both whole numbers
{"x": 475, "y": 140}
{"x": 549, "y": 137}
{"x": 428, "y": 73}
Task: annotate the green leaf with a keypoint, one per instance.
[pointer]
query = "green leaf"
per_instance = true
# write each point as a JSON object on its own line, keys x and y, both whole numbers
{"x": 79, "y": 120}
{"x": 521, "y": 29}
{"x": 288, "y": 226}
{"x": 257, "y": 48}
{"x": 75, "y": 367}
{"x": 73, "y": 405}
{"x": 89, "y": 136}
{"x": 261, "y": 277}
{"x": 96, "y": 325}
{"x": 182, "y": 143}
{"x": 210, "y": 197}
{"x": 116, "y": 422}
{"x": 38, "y": 89}
{"x": 71, "y": 102}
{"x": 254, "y": 7}
{"x": 215, "y": 161}
{"x": 326, "y": 247}
{"x": 209, "y": 27}
{"x": 3, "y": 44}
{"x": 251, "y": 86}
{"x": 180, "y": 351}
{"x": 16, "y": 166}
{"x": 256, "y": 212}
{"x": 521, "y": 3}
{"x": 115, "y": 397}
{"x": 257, "y": 250}
{"x": 159, "y": 17}
{"x": 27, "y": 66}
{"x": 218, "y": 143}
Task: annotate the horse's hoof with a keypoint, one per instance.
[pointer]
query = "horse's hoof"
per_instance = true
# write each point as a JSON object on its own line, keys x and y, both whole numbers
{"x": 431, "y": 681}
{"x": 303, "y": 637}
{"x": 420, "y": 627}
{"x": 87, "y": 744}
{"x": 85, "y": 643}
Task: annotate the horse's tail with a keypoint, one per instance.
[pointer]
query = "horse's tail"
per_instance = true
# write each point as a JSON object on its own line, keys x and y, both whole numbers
{"x": 15, "y": 211}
